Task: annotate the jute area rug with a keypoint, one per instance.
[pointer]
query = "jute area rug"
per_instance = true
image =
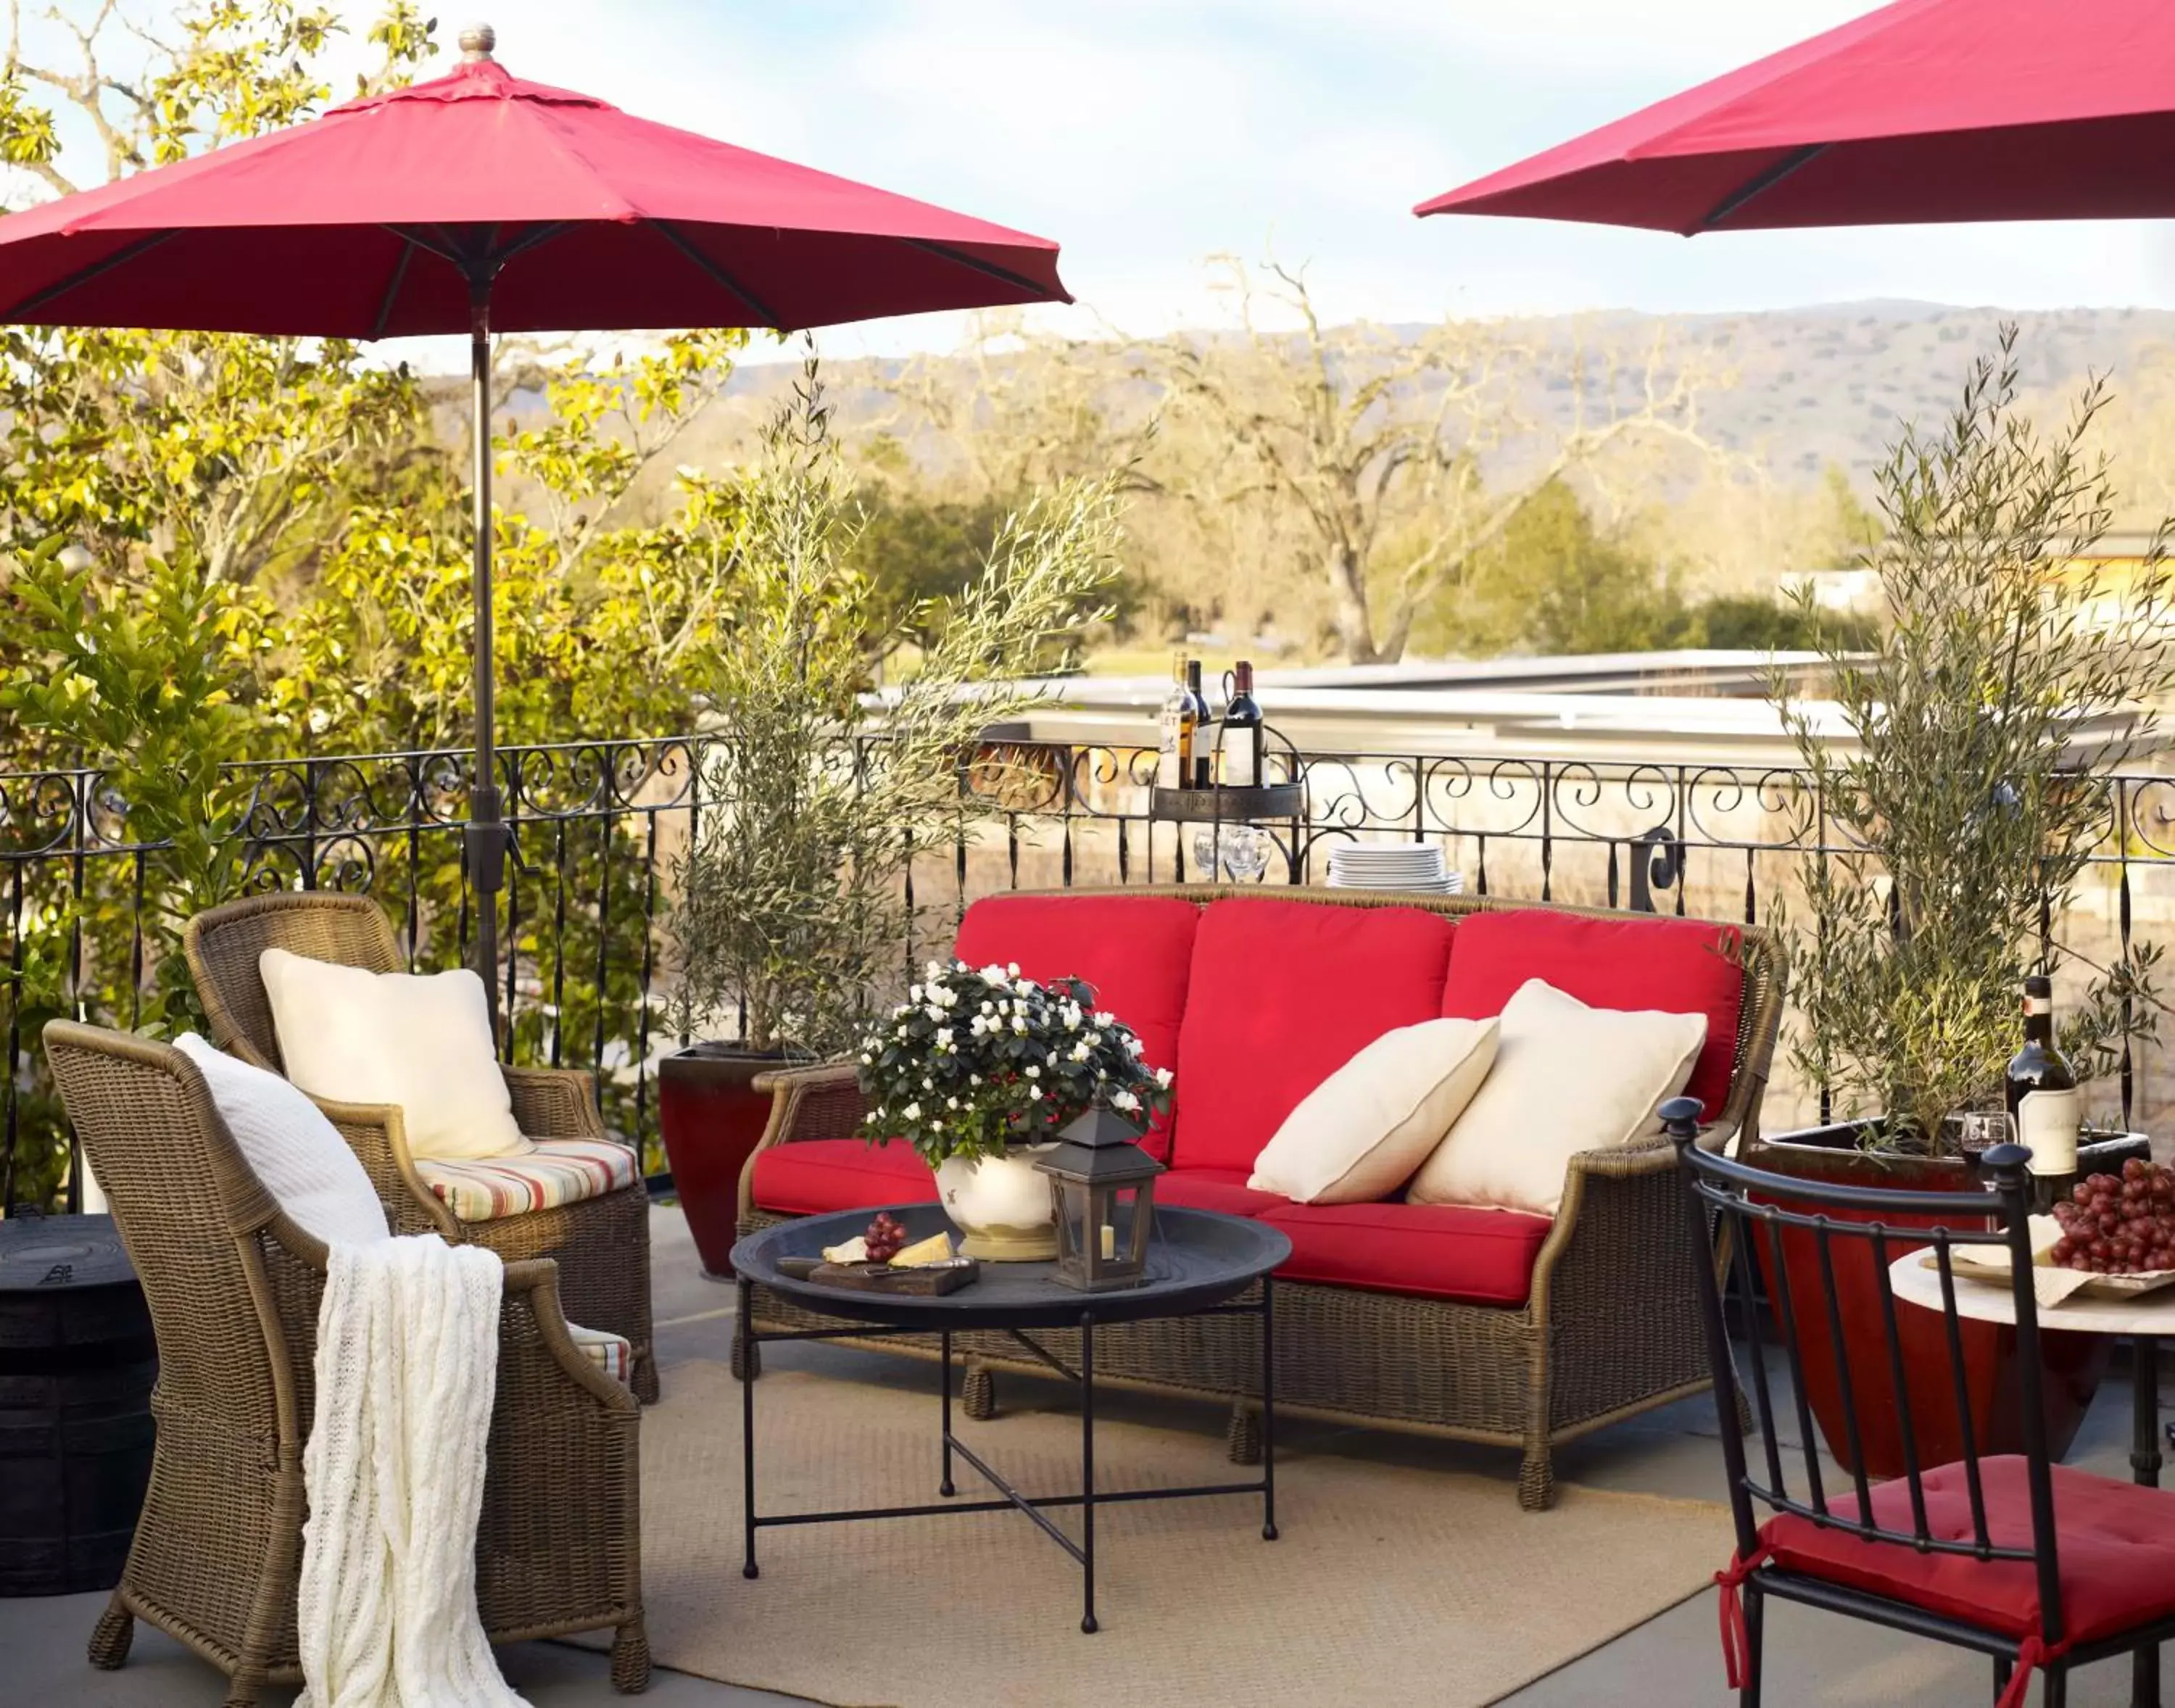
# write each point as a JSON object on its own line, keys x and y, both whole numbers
{"x": 1390, "y": 1585}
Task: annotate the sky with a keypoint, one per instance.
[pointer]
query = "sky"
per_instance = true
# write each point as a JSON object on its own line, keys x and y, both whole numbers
{"x": 1147, "y": 135}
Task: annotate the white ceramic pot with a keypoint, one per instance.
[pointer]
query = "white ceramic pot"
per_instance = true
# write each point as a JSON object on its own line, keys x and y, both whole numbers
{"x": 1002, "y": 1205}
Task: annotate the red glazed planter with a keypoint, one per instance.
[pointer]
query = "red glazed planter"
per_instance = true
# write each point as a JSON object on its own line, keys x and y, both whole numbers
{"x": 2072, "y": 1363}
{"x": 712, "y": 1118}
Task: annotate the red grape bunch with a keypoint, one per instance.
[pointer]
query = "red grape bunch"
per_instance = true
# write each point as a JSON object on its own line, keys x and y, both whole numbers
{"x": 2119, "y": 1226}
{"x": 885, "y": 1239}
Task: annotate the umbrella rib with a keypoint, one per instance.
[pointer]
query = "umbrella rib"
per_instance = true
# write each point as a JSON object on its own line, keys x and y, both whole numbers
{"x": 1759, "y": 185}
{"x": 83, "y": 276}
{"x": 392, "y": 285}
{"x": 718, "y": 275}
{"x": 946, "y": 251}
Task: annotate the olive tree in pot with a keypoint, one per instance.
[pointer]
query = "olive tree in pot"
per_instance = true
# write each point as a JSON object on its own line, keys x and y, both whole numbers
{"x": 789, "y": 923}
{"x": 1957, "y": 820}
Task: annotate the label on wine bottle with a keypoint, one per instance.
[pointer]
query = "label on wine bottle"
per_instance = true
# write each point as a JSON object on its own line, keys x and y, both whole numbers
{"x": 2047, "y": 1123}
{"x": 1242, "y": 762}
{"x": 1170, "y": 771}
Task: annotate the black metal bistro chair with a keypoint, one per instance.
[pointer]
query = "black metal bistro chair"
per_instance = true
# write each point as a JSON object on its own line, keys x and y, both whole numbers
{"x": 2040, "y": 1567}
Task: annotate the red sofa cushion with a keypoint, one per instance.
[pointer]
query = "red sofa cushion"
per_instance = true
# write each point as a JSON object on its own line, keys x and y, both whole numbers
{"x": 1223, "y": 1190}
{"x": 1135, "y": 951}
{"x": 1283, "y": 993}
{"x": 1436, "y": 1250}
{"x": 822, "y": 1174}
{"x": 1678, "y": 966}
{"x": 2116, "y": 1545}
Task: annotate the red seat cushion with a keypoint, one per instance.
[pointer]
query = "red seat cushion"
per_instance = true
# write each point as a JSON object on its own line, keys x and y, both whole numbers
{"x": 1224, "y": 1190}
{"x": 1436, "y": 1250}
{"x": 1284, "y": 993}
{"x": 1677, "y": 966}
{"x": 1135, "y": 951}
{"x": 822, "y": 1174}
{"x": 2116, "y": 1544}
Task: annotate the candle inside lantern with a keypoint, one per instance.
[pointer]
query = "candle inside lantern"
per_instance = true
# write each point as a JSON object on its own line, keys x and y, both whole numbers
{"x": 1110, "y": 1241}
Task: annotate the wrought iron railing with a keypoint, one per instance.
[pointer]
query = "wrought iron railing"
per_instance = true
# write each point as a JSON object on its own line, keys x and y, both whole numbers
{"x": 597, "y": 826}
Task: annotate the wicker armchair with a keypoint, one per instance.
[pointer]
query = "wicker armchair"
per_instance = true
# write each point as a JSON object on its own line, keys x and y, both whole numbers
{"x": 233, "y": 1287}
{"x": 1611, "y": 1329}
{"x": 601, "y": 1245}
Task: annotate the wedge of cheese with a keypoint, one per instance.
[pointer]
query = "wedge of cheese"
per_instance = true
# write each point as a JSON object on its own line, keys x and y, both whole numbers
{"x": 854, "y": 1250}
{"x": 936, "y": 1249}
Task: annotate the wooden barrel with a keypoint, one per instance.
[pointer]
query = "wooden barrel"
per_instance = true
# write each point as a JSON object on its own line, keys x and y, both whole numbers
{"x": 77, "y": 1362}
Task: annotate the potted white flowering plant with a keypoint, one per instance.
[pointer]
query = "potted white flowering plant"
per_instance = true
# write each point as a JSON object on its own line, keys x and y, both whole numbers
{"x": 978, "y": 1070}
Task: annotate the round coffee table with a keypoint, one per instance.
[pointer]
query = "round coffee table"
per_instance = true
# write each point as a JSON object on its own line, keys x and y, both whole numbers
{"x": 1199, "y": 1263}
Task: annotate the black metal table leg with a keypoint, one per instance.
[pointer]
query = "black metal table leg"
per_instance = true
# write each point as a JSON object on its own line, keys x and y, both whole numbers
{"x": 944, "y": 1360}
{"x": 1268, "y": 1410}
{"x": 1087, "y": 1468}
{"x": 2145, "y": 1462}
{"x": 748, "y": 1567}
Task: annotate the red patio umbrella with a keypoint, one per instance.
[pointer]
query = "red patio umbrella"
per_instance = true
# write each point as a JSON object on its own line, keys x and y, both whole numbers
{"x": 478, "y": 203}
{"x": 1925, "y": 112}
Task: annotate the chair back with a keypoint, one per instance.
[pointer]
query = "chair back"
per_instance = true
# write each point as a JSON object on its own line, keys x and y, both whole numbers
{"x": 1747, "y": 1208}
{"x": 191, "y": 1212}
{"x": 223, "y": 945}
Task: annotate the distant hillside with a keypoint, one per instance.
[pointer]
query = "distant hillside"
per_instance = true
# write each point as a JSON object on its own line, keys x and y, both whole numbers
{"x": 1814, "y": 385}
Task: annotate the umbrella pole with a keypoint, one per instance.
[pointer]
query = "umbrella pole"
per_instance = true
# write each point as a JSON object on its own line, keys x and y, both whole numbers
{"x": 485, "y": 833}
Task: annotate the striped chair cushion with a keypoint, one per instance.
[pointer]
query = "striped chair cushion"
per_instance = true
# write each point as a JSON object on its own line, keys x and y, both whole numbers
{"x": 608, "y": 1353}
{"x": 558, "y": 1171}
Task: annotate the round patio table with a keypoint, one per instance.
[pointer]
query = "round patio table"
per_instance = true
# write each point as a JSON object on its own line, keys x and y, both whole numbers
{"x": 2145, "y": 1320}
{"x": 1199, "y": 1263}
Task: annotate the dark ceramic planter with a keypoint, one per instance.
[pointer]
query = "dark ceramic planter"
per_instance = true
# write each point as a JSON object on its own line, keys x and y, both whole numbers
{"x": 2072, "y": 1363}
{"x": 712, "y": 1119}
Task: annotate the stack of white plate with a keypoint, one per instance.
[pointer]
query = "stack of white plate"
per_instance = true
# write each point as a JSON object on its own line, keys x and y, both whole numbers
{"x": 1410, "y": 865}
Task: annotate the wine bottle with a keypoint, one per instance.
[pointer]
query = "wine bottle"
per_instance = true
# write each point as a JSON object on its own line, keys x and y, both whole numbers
{"x": 1240, "y": 741}
{"x": 1194, "y": 756}
{"x": 2041, "y": 1090}
{"x": 1175, "y": 735}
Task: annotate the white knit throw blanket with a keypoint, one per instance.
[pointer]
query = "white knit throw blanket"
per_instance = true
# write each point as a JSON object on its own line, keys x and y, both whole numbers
{"x": 407, "y": 1363}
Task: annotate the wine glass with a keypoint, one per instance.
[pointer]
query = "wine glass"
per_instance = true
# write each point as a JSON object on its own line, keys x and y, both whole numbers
{"x": 1240, "y": 852}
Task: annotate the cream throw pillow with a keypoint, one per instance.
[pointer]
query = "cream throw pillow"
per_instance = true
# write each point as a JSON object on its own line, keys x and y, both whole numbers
{"x": 290, "y": 1146}
{"x": 1567, "y": 1078}
{"x": 420, "y": 1040}
{"x": 1357, "y": 1135}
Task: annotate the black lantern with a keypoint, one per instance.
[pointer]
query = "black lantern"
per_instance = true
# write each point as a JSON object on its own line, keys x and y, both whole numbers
{"x": 1104, "y": 1187}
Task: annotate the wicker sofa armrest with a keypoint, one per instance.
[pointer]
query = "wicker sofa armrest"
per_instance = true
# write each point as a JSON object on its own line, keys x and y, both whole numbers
{"x": 377, "y": 1135}
{"x": 555, "y": 1102}
{"x": 822, "y": 1101}
{"x": 1620, "y": 1232}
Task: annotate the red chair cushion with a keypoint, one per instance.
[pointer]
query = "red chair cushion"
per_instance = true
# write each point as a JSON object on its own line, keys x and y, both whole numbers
{"x": 822, "y": 1174}
{"x": 1135, "y": 951}
{"x": 2116, "y": 1542}
{"x": 1223, "y": 1190}
{"x": 1435, "y": 1250}
{"x": 1284, "y": 993}
{"x": 1677, "y": 966}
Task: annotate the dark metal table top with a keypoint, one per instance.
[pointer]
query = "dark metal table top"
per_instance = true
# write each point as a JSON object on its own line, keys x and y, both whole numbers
{"x": 1195, "y": 1260}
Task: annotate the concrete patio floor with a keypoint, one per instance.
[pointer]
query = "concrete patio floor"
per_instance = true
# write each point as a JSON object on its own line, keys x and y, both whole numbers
{"x": 1671, "y": 1662}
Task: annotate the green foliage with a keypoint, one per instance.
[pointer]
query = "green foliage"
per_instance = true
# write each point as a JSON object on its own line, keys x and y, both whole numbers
{"x": 1739, "y": 623}
{"x": 2006, "y": 681}
{"x": 1553, "y": 584}
{"x": 790, "y": 909}
{"x": 973, "y": 1063}
{"x": 140, "y": 682}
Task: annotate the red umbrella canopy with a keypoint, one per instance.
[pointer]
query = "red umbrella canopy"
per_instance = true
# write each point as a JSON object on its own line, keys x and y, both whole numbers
{"x": 1924, "y": 111}
{"x": 372, "y": 220}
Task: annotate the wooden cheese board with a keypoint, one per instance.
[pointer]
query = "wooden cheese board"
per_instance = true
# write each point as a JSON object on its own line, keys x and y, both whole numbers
{"x": 916, "y": 1281}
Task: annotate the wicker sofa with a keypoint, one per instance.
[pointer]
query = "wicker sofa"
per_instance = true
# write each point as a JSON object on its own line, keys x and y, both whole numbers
{"x": 1436, "y": 1318}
